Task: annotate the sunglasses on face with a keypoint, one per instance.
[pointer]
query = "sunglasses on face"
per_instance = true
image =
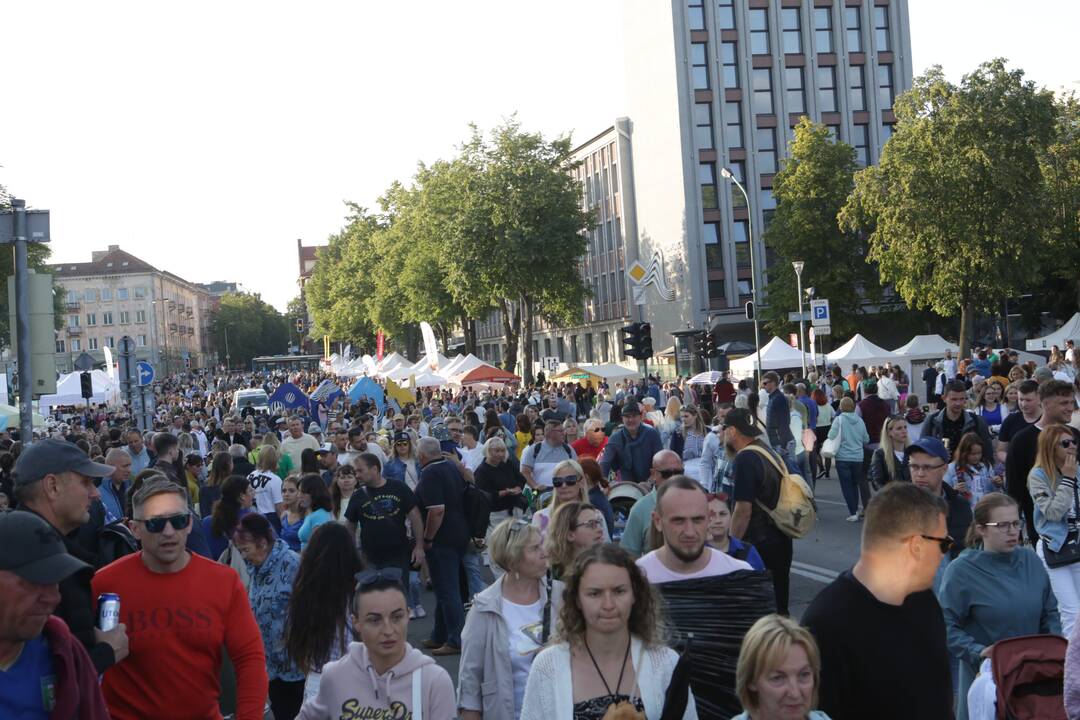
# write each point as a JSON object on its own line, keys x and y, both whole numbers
{"x": 670, "y": 473}
{"x": 568, "y": 480}
{"x": 944, "y": 543}
{"x": 156, "y": 525}
{"x": 1067, "y": 443}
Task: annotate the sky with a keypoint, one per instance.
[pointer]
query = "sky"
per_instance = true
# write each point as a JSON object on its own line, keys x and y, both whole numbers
{"x": 207, "y": 137}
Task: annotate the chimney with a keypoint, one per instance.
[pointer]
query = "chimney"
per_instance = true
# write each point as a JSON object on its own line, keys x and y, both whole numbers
{"x": 97, "y": 255}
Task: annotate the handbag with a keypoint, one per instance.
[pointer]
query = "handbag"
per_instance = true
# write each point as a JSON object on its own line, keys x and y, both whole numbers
{"x": 1070, "y": 549}
{"x": 831, "y": 446}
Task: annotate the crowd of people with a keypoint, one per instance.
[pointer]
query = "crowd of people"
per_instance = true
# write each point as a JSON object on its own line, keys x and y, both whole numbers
{"x": 270, "y": 562}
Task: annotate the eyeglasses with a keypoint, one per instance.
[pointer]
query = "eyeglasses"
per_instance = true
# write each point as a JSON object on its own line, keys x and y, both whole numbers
{"x": 670, "y": 473}
{"x": 591, "y": 524}
{"x": 402, "y": 442}
{"x": 1006, "y": 526}
{"x": 156, "y": 525}
{"x": 368, "y": 578}
{"x": 568, "y": 480}
{"x": 597, "y": 430}
{"x": 924, "y": 468}
{"x": 1067, "y": 443}
{"x": 944, "y": 543}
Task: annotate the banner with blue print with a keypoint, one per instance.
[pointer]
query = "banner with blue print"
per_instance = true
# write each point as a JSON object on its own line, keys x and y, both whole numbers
{"x": 322, "y": 398}
{"x": 288, "y": 397}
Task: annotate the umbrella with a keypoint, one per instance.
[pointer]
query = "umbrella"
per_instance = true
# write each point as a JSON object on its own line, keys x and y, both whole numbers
{"x": 9, "y": 417}
{"x": 710, "y": 377}
{"x": 736, "y": 347}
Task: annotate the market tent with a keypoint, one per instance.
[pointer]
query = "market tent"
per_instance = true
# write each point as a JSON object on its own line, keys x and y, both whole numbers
{"x": 926, "y": 347}
{"x": 1069, "y": 331}
{"x": 488, "y": 374}
{"x": 421, "y": 365}
{"x": 709, "y": 377}
{"x": 69, "y": 391}
{"x": 9, "y": 418}
{"x": 860, "y": 350}
{"x": 390, "y": 362}
{"x": 461, "y": 364}
{"x": 426, "y": 379}
{"x": 595, "y": 374}
{"x": 775, "y": 355}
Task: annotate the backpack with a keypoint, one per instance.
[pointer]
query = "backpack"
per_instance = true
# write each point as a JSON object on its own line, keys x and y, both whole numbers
{"x": 795, "y": 513}
{"x": 115, "y": 541}
{"x": 536, "y": 450}
{"x": 477, "y": 506}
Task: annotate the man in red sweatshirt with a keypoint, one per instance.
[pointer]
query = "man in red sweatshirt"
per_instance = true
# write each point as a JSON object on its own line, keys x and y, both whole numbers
{"x": 181, "y": 611}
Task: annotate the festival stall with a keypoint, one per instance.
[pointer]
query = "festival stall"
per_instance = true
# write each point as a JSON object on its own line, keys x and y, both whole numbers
{"x": 427, "y": 379}
{"x": 595, "y": 374}
{"x": 859, "y": 350}
{"x": 1069, "y": 331}
{"x": 775, "y": 355}
{"x": 390, "y": 362}
{"x": 921, "y": 351}
{"x": 69, "y": 391}
{"x": 487, "y": 375}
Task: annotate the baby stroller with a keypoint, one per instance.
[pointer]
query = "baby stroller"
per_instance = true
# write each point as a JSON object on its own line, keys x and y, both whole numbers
{"x": 1029, "y": 673}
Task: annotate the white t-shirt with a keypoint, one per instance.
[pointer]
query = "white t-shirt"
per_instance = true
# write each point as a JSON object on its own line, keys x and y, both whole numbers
{"x": 267, "y": 487}
{"x": 472, "y": 458}
{"x": 719, "y": 564}
{"x": 524, "y": 625}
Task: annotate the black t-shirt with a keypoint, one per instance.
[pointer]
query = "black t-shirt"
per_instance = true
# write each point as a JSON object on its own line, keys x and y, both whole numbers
{"x": 952, "y": 430}
{"x": 757, "y": 479}
{"x": 929, "y": 376}
{"x": 442, "y": 484}
{"x": 877, "y": 660}
{"x": 1011, "y": 425}
{"x": 493, "y": 478}
{"x": 382, "y": 514}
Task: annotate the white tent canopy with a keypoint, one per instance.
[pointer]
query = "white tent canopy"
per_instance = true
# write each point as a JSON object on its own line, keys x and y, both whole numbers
{"x": 775, "y": 355}
{"x": 428, "y": 380}
{"x": 860, "y": 350}
{"x": 421, "y": 365}
{"x": 1069, "y": 331}
{"x": 69, "y": 391}
{"x": 461, "y": 364}
{"x": 390, "y": 362}
{"x": 926, "y": 347}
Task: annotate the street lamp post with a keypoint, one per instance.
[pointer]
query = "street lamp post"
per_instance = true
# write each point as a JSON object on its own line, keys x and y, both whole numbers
{"x": 798, "y": 265}
{"x": 726, "y": 173}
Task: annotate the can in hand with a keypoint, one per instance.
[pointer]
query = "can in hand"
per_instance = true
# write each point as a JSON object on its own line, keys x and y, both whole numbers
{"x": 108, "y": 611}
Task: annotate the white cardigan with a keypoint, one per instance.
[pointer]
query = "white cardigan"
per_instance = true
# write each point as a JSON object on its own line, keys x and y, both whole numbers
{"x": 549, "y": 692}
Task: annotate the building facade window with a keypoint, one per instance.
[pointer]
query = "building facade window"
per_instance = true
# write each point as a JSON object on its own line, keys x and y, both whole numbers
{"x": 768, "y": 208}
{"x": 714, "y": 257}
{"x": 885, "y": 87}
{"x": 60, "y": 346}
{"x": 574, "y": 349}
{"x": 860, "y": 140}
{"x": 881, "y": 28}
{"x": 716, "y": 290}
{"x": 588, "y": 348}
{"x": 766, "y": 151}
{"x": 826, "y": 78}
{"x": 90, "y": 295}
{"x": 725, "y": 14}
{"x": 759, "y": 31}
{"x": 141, "y": 339}
{"x": 605, "y": 343}
{"x": 699, "y": 65}
{"x": 703, "y": 134}
{"x": 792, "y": 26}
{"x": 91, "y": 343}
{"x": 730, "y": 64}
{"x": 796, "y": 97}
{"x": 738, "y": 171}
{"x": 121, "y": 293}
{"x": 91, "y": 319}
{"x": 106, "y": 318}
{"x": 696, "y": 9}
{"x": 886, "y": 133}
{"x": 823, "y": 37}
{"x": 763, "y": 103}
{"x": 125, "y": 317}
{"x": 140, "y": 293}
{"x": 834, "y": 132}
{"x": 73, "y": 321}
{"x": 106, "y": 294}
{"x": 740, "y": 239}
{"x": 140, "y": 316}
{"x": 857, "y": 93}
{"x": 733, "y": 135}
{"x": 547, "y": 347}
{"x": 707, "y": 180}
{"x": 110, "y": 342}
{"x": 853, "y": 23}
{"x": 76, "y": 345}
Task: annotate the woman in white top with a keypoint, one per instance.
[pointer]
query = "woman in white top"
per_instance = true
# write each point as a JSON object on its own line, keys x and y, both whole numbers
{"x": 609, "y": 651}
{"x": 668, "y": 421}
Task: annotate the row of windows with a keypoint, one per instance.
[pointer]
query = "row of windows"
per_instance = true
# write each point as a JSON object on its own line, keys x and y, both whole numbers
{"x": 107, "y": 318}
{"x": 585, "y": 351}
{"x": 791, "y": 27}
{"x": 105, "y": 294}
{"x": 92, "y": 343}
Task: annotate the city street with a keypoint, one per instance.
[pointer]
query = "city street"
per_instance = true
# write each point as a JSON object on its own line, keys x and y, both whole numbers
{"x": 832, "y": 548}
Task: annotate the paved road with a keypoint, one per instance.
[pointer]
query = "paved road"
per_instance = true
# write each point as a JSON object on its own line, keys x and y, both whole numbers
{"x": 832, "y": 548}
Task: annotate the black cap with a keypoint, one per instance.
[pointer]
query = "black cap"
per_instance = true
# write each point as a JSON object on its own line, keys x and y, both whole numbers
{"x": 743, "y": 421}
{"x": 402, "y": 436}
{"x": 34, "y": 550}
{"x": 631, "y": 407}
{"x": 52, "y": 457}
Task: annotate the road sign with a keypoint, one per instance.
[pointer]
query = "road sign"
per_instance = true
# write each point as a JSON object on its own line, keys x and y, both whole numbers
{"x": 823, "y": 330}
{"x": 794, "y": 317}
{"x": 819, "y": 312}
{"x": 84, "y": 362}
{"x": 640, "y": 293}
{"x": 37, "y": 226}
{"x": 146, "y": 373}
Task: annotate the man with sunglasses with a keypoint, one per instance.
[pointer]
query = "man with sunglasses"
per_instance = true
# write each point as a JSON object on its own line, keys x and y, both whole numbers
{"x": 54, "y": 479}
{"x": 180, "y": 610}
{"x": 879, "y": 627}
{"x": 927, "y": 461}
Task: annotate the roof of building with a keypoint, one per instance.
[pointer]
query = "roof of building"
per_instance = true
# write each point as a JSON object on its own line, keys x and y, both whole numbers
{"x": 110, "y": 262}
{"x": 306, "y": 252}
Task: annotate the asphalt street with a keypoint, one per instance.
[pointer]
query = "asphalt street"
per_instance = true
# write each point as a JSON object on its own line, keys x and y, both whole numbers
{"x": 830, "y": 549}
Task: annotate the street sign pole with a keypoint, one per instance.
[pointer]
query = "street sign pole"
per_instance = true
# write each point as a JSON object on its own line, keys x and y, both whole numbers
{"x": 22, "y": 324}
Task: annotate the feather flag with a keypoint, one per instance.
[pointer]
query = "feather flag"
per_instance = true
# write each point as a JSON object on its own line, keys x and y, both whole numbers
{"x": 431, "y": 350}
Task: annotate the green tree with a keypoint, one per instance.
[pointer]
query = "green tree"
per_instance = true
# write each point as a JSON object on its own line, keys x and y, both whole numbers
{"x": 253, "y": 328}
{"x": 957, "y": 203}
{"x": 810, "y": 189}
{"x": 1060, "y": 163}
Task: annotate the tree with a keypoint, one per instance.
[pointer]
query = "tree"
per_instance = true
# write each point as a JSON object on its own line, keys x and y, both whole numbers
{"x": 957, "y": 203}
{"x": 252, "y": 326}
{"x": 1060, "y": 163}
{"x": 810, "y": 189}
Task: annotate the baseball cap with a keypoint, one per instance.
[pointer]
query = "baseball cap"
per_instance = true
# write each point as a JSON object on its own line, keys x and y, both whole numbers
{"x": 34, "y": 550}
{"x": 328, "y": 449}
{"x": 402, "y": 436}
{"x": 930, "y": 446}
{"x": 743, "y": 421}
{"x": 314, "y": 428}
{"x": 631, "y": 407}
{"x": 399, "y": 416}
{"x": 281, "y": 421}
{"x": 54, "y": 457}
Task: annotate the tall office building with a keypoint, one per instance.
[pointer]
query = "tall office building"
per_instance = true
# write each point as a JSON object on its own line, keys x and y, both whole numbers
{"x": 720, "y": 84}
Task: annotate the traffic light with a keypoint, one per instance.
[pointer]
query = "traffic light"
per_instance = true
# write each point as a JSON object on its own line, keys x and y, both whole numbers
{"x": 300, "y": 325}
{"x": 701, "y": 344}
{"x": 86, "y": 384}
{"x": 749, "y": 309}
{"x": 629, "y": 339}
{"x": 637, "y": 340}
{"x": 711, "y": 344}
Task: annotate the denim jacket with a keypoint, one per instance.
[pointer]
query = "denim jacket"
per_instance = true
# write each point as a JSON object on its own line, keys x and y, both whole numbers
{"x": 269, "y": 592}
{"x": 1051, "y": 507}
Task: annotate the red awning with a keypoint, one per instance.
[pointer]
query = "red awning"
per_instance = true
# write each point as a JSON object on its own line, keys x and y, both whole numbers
{"x": 488, "y": 374}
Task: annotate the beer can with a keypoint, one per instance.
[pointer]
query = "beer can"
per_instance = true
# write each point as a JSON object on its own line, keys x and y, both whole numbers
{"x": 108, "y": 611}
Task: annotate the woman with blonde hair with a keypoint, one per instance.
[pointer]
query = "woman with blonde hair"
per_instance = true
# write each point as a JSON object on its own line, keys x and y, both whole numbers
{"x": 568, "y": 480}
{"x": 668, "y": 421}
{"x": 779, "y": 672}
{"x": 889, "y": 461}
{"x": 609, "y": 650}
{"x": 285, "y": 463}
{"x": 575, "y": 527}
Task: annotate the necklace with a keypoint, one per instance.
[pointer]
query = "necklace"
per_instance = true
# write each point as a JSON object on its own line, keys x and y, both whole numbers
{"x": 622, "y": 670}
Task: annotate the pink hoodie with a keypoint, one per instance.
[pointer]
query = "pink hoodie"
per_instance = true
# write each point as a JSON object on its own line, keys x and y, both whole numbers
{"x": 351, "y": 688}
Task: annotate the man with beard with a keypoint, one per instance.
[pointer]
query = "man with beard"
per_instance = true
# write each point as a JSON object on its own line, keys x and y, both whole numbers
{"x": 682, "y": 519}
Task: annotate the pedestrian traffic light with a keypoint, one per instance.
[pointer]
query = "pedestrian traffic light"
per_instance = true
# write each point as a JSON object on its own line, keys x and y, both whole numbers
{"x": 712, "y": 344}
{"x": 701, "y": 341}
{"x": 86, "y": 384}
{"x": 637, "y": 340}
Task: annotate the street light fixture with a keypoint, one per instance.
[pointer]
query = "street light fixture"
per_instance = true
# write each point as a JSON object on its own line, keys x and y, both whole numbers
{"x": 727, "y": 174}
{"x": 798, "y": 265}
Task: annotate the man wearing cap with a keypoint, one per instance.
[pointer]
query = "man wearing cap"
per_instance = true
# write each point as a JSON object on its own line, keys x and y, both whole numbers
{"x": 44, "y": 670}
{"x": 757, "y": 483}
{"x": 328, "y": 461}
{"x": 631, "y": 447}
{"x": 315, "y": 431}
{"x": 54, "y": 480}
{"x": 927, "y": 462}
{"x": 297, "y": 441}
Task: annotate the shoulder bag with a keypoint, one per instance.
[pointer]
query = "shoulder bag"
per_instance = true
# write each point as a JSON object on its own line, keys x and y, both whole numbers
{"x": 1070, "y": 549}
{"x": 831, "y": 446}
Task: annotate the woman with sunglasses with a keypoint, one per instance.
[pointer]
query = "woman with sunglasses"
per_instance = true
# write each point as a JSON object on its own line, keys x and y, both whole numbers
{"x": 382, "y": 675}
{"x": 508, "y": 624}
{"x": 609, "y": 649}
{"x": 994, "y": 590}
{"x": 1052, "y": 483}
{"x": 403, "y": 464}
{"x": 889, "y": 461}
{"x": 271, "y": 569}
{"x": 575, "y": 527}
{"x": 568, "y": 481}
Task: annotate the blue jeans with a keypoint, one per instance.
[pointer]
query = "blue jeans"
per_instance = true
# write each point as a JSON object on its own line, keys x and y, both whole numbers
{"x": 852, "y": 484}
{"x": 413, "y": 596}
{"x": 474, "y": 566}
{"x": 444, "y": 564}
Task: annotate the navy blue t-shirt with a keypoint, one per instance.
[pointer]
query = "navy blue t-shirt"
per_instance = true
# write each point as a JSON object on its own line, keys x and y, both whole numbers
{"x": 28, "y": 688}
{"x": 442, "y": 484}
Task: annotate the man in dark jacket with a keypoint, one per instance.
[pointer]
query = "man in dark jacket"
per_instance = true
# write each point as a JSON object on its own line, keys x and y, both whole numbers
{"x": 167, "y": 449}
{"x": 54, "y": 480}
{"x": 873, "y": 410}
{"x": 630, "y": 448}
{"x": 778, "y": 417}
{"x": 953, "y": 422}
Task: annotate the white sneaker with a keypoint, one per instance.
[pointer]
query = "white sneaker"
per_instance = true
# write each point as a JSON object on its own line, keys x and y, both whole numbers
{"x": 854, "y": 518}
{"x": 420, "y": 612}
{"x": 412, "y": 614}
